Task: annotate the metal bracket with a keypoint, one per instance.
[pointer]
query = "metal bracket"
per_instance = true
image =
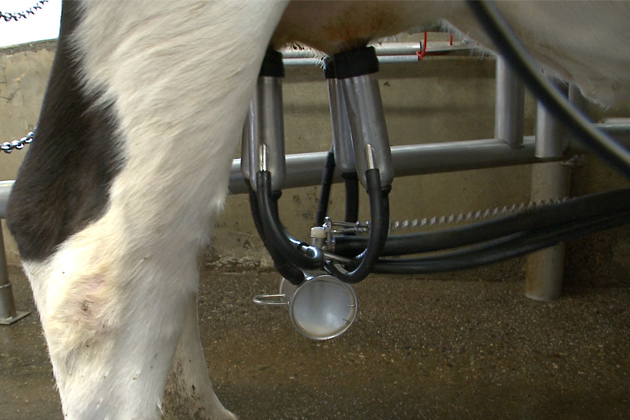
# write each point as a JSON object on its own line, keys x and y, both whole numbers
{"x": 8, "y": 314}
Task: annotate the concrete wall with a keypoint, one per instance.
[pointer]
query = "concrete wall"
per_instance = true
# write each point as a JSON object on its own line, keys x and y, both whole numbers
{"x": 23, "y": 77}
{"x": 440, "y": 99}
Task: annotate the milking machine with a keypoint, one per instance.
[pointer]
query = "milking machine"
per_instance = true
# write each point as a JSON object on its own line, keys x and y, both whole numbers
{"x": 317, "y": 277}
{"x": 364, "y": 156}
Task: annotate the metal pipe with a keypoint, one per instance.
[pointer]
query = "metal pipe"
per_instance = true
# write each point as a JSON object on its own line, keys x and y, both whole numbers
{"x": 312, "y": 61}
{"x": 510, "y": 105}
{"x": 248, "y": 143}
{"x": 305, "y": 169}
{"x": 388, "y": 59}
{"x": 407, "y": 48}
{"x": 388, "y": 49}
{"x": 8, "y": 314}
{"x": 263, "y": 134}
{"x": 369, "y": 130}
{"x": 545, "y": 268}
{"x": 5, "y": 191}
{"x": 620, "y": 131}
{"x": 550, "y": 140}
{"x": 341, "y": 133}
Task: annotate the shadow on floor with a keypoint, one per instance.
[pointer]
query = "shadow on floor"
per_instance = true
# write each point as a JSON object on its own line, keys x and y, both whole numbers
{"x": 425, "y": 349}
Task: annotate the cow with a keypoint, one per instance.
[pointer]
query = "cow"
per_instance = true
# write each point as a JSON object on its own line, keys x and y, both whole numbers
{"x": 144, "y": 108}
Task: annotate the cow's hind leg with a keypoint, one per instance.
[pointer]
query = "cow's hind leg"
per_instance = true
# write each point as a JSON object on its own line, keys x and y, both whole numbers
{"x": 189, "y": 393}
{"x": 130, "y": 163}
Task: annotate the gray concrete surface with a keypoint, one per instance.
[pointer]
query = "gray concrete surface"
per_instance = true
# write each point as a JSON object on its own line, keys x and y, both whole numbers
{"x": 427, "y": 347}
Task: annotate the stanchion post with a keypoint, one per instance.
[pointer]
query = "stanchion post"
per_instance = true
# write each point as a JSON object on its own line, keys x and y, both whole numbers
{"x": 510, "y": 104}
{"x": 549, "y": 181}
{"x": 8, "y": 314}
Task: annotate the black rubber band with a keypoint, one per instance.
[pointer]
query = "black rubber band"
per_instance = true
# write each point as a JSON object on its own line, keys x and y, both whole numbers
{"x": 351, "y": 64}
{"x": 272, "y": 65}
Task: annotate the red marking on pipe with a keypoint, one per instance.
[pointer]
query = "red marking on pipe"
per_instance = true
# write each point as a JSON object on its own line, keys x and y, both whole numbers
{"x": 422, "y": 53}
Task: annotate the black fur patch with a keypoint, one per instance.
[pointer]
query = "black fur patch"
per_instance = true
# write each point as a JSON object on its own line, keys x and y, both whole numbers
{"x": 64, "y": 181}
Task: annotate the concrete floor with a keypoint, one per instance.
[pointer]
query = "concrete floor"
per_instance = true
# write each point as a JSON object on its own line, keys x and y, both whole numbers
{"x": 433, "y": 348}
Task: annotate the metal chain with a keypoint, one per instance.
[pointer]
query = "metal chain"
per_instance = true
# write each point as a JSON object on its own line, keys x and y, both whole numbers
{"x": 471, "y": 216}
{"x": 9, "y": 146}
{"x": 22, "y": 15}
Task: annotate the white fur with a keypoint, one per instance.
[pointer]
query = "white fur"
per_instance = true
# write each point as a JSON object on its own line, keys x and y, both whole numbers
{"x": 586, "y": 42}
{"x": 112, "y": 299}
{"x": 583, "y": 41}
{"x": 117, "y": 300}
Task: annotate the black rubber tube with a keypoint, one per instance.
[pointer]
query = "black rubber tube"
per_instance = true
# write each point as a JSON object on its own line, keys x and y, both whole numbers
{"x": 547, "y": 237}
{"x": 286, "y": 269}
{"x": 324, "y": 196}
{"x": 514, "y": 248}
{"x": 351, "y": 183}
{"x": 299, "y": 253}
{"x": 361, "y": 266}
{"x": 253, "y": 207}
{"x": 588, "y": 206}
{"x": 497, "y": 28}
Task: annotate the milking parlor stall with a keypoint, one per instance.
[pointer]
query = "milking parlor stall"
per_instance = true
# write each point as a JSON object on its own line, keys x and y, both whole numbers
{"x": 500, "y": 284}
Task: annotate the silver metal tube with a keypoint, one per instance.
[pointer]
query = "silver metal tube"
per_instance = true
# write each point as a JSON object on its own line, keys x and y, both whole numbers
{"x": 7, "y": 305}
{"x": 5, "y": 191}
{"x": 410, "y": 48}
{"x": 248, "y": 144}
{"x": 402, "y": 48}
{"x": 305, "y": 169}
{"x": 618, "y": 128}
{"x": 393, "y": 59}
{"x": 341, "y": 133}
{"x": 314, "y": 61}
{"x": 367, "y": 121}
{"x": 545, "y": 268}
{"x": 619, "y": 131}
{"x": 265, "y": 126}
{"x": 510, "y": 104}
{"x": 389, "y": 49}
{"x": 8, "y": 314}
{"x": 550, "y": 140}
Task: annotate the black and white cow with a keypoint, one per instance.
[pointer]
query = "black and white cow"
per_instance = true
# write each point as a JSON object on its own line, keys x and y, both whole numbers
{"x": 143, "y": 112}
